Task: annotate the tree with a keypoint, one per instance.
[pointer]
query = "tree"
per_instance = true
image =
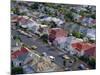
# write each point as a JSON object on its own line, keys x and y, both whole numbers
{"x": 12, "y": 65}
{"x": 64, "y": 62}
{"x": 53, "y": 24}
{"x": 17, "y": 25}
{"x": 23, "y": 13}
{"x": 92, "y": 63}
{"x": 82, "y": 35}
{"x": 94, "y": 26}
{"x": 17, "y": 70}
{"x": 16, "y": 11}
{"x": 69, "y": 16}
{"x": 34, "y": 6}
{"x": 44, "y": 37}
{"x": 77, "y": 34}
{"x": 93, "y": 16}
{"x": 17, "y": 39}
{"x": 84, "y": 58}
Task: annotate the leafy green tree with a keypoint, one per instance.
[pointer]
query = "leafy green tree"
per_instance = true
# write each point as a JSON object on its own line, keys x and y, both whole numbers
{"x": 53, "y": 24}
{"x": 23, "y": 13}
{"x": 44, "y": 37}
{"x": 34, "y": 6}
{"x": 84, "y": 58}
{"x": 92, "y": 63}
{"x": 17, "y": 70}
{"x": 69, "y": 16}
{"x": 12, "y": 65}
{"x": 82, "y": 35}
{"x": 16, "y": 11}
{"x": 93, "y": 16}
{"x": 94, "y": 26}
{"x": 17, "y": 38}
{"x": 76, "y": 34}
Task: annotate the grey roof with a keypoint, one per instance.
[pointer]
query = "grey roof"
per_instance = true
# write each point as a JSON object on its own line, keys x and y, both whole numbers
{"x": 23, "y": 57}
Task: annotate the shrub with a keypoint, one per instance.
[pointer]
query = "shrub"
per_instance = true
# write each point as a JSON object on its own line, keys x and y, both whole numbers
{"x": 17, "y": 70}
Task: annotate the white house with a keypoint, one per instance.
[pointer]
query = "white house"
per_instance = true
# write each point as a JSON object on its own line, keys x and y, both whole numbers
{"x": 60, "y": 42}
{"x": 88, "y": 21}
{"x": 54, "y": 19}
{"x": 58, "y": 21}
{"x": 91, "y": 33}
{"x": 46, "y": 18}
{"x": 28, "y": 23}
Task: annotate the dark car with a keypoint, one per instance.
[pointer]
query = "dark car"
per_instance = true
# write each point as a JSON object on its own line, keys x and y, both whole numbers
{"x": 81, "y": 67}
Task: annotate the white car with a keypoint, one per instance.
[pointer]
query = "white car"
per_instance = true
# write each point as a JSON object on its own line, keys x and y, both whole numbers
{"x": 52, "y": 58}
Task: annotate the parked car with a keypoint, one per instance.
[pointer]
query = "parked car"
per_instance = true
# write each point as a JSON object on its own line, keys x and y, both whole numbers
{"x": 52, "y": 58}
{"x": 67, "y": 69}
{"x": 65, "y": 57}
{"x": 82, "y": 67}
{"x": 34, "y": 47}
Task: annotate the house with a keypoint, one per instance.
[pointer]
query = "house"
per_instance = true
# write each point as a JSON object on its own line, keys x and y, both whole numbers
{"x": 60, "y": 42}
{"x": 69, "y": 41}
{"x": 13, "y": 49}
{"x": 91, "y": 52}
{"x": 57, "y": 37}
{"x": 88, "y": 21}
{"x": 84, "y": 48}
{"x": 18, "y": 53}
{"x": 57, "y": 21}
{"x": 56, "y": 33}
{"x": 23, "y": 21}
{"x": 21, "y": 57}
{"x": 76, "y": 40}
{"x": 83, "y": 30}
{"x": 91, "y": 33}
{"x": 71, "y": 27}
{"x": 79, "y": 8}
{"x": 45, "y": 18}
{"x": 26, "y": 22}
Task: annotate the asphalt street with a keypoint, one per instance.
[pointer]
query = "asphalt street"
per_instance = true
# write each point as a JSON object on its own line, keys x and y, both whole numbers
{"x": 41, "y": 47}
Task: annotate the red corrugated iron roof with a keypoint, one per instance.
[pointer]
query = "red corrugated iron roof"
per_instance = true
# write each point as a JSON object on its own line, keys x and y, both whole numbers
{"x": 82, "y": 46}
{"x": 19, "y": 53}
{"x": 57, "y": 32}
{"x": 89, "y": 49}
